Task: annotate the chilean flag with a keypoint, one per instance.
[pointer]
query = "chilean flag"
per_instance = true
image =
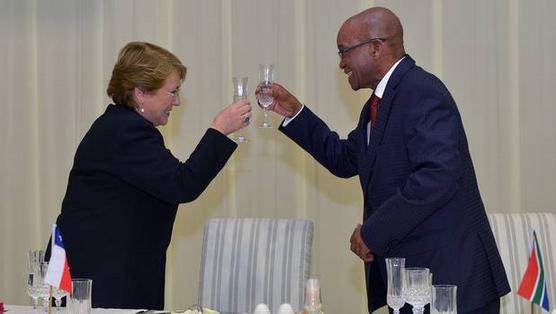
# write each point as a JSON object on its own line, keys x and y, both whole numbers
{"x": 58, "y": 273}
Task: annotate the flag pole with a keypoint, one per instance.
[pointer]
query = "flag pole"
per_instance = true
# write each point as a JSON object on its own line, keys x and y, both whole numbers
{"x": 532, "y": 308}
{"x": 50, "y": 299}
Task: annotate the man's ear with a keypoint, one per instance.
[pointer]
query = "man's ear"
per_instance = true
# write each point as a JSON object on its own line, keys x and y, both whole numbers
{"x": 375, "y": 47}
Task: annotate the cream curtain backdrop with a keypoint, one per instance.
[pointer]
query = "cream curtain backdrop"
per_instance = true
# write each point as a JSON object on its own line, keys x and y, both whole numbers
{"x": 497, "y": 58}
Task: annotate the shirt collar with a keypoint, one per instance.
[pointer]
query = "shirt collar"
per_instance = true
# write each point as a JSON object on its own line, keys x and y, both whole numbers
{"x": 379, "y": 90}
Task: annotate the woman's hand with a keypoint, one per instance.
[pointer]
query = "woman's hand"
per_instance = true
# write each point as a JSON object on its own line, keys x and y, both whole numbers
{"x": 234, "y": 117}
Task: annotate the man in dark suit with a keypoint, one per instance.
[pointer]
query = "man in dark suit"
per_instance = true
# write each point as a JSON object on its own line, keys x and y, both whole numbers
{"x": 409, "y": 148}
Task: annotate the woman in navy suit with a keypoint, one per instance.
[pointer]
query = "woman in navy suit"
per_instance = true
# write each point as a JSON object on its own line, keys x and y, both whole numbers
{"x": 409, "y": 149}
{"x": 125, "y": 185}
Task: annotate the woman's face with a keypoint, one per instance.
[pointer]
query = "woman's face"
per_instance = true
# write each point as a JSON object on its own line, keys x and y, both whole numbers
{"x": 157, "y": 104}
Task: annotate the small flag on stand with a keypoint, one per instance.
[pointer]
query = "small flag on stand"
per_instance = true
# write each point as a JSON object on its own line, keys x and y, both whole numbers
{"x": 58, "y": 273}
{"x": 533, "y": 284}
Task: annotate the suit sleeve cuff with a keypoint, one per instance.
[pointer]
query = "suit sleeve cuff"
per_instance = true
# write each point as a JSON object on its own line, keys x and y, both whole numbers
{"x": 288, "y": 120}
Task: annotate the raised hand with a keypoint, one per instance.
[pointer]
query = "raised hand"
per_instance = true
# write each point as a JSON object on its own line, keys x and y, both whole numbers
{"x": 234, "y": 117}
{"x": 284, "y": 104}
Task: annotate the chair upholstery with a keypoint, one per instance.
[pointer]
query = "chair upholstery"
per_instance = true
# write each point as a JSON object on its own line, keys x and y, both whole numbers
{"x": 514, "y": 233}
{"x": 247, "y": 261}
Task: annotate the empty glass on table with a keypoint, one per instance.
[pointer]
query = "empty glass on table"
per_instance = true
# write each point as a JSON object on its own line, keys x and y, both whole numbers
{"x": 395, "y": 267}
{"x": 417, "y": 288}
{"x": 34, "y": 259}
{"x": 443, "y": 299}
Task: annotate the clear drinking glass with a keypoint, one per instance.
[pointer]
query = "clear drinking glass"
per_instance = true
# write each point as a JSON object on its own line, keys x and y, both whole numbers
{"x": 395, "y": 267}
{"x": 34, "y": 258}
{"x": 31, "y": 291}
{"x": 41, "y": 286}
{"x": 443, "y": 299}
{"x": 240, "y": 92}
{"x": 266, "y": 76}
{"x": 80, "y": 299}
{"x": 417, "y": 289}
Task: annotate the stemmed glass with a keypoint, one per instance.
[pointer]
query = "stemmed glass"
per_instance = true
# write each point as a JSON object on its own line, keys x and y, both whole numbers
{"x": 266, "y": 73}
{"x": 395, "y": 267}
{"x": 417, "y": 288}
{"x": 34, "y": 259}
{"x": 41, "y": 286}
{"x": 240, "y": 92}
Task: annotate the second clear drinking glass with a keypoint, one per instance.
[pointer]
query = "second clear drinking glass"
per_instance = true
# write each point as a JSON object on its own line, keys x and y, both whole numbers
{"x": 34, "y": 260}
{"x": 443, "y": 299}
{"x": 395, "y": 267}
{"x": 240, "y": 92}
{"x": 266, "y": 76}
{"x": 417, "y": 288}
{"x": 80, "y": 298}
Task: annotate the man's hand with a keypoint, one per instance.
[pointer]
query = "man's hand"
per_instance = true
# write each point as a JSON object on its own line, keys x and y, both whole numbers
{"x": 284, "y": 104}
{"x": 359, "y": 247}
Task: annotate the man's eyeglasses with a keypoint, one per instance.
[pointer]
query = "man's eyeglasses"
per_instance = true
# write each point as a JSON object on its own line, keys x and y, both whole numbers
{"x": 343, "y": 51}
{"x": 174, "y": 94}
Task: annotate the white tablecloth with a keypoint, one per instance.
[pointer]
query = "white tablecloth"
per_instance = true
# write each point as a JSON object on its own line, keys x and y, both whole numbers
{"x": 19, "y": 309}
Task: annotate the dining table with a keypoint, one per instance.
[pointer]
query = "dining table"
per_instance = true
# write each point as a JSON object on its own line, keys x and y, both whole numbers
{"x": 25, "y": 309}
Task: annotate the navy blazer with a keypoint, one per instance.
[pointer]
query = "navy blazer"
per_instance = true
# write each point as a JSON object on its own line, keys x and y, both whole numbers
{"x": 121, "y": 201}
{"x": 421, "y": 199}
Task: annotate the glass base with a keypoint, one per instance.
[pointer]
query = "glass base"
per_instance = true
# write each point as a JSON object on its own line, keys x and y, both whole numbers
{"x": 265, "y": 125}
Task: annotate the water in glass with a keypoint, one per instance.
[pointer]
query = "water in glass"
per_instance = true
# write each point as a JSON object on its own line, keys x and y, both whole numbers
{"x": 266, "y": 76}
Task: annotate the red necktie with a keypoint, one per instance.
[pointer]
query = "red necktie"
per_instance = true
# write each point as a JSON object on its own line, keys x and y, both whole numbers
{"x": 374, "y": 109}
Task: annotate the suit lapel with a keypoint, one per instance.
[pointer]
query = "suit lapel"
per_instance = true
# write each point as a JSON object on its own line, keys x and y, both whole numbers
{"x": 383, "y": 115}
{"x": 365, "y": 162}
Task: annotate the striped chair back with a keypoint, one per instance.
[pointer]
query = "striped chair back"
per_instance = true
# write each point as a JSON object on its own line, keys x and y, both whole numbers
{"x": 514, "y": 236}
{"x": 247, "y": 261}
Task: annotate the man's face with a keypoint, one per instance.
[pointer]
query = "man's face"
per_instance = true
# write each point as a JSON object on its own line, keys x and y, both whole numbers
{"x": 356, "y": 58}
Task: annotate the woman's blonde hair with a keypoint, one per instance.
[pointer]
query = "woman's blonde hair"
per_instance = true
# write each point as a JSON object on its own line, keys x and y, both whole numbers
{"x": 141, "y": 65}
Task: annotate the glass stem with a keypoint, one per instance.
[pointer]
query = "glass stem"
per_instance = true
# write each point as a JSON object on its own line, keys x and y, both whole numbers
{"x": 396, "y": 311}
{"x": 58, "y": 304}
{"x": 35, "y": 303}
{"x": 265, "y": 113}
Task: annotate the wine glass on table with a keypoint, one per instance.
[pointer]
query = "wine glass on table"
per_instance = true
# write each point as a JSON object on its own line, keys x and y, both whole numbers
{"x": 395, "y": 267}
{"x": 41, "y": 286}
{"x": 266, "y": 73}
{"x": 417, "y": 288}
{"x": 240, "y": 92}
{"x": 34, "y": 258}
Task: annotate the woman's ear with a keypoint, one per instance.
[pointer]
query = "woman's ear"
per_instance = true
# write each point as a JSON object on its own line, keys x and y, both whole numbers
{"x": 138, "y": 95}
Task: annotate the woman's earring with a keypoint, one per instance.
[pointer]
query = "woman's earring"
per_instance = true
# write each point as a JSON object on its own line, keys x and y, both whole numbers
{"x": 142, "y": 110}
